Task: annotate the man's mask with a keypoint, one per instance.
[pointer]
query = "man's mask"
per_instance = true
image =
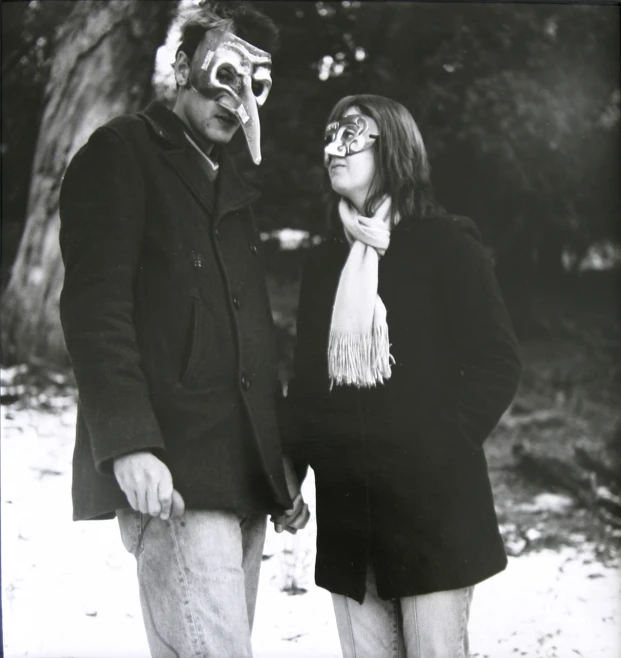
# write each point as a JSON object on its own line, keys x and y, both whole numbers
{"x": 350, "y": 134}
{"x": 237, "y": 75}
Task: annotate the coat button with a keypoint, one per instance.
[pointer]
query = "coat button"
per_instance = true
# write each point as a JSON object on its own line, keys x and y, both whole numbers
{"x": 236, "y": 302}
{"x": 253, "y": 248}
{"x": 218, "y": 235}
{"x": 245, "y": 383}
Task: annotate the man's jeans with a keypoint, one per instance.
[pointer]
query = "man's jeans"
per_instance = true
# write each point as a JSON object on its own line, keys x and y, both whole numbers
{"x": 198, "y": 577}
{"x": 428, "y": 626}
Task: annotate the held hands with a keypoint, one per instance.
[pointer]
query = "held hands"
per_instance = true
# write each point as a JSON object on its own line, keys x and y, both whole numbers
{"x": 148, "y": 485}
{"x": 293, "y": 519}
{"x": 297, "y": 517}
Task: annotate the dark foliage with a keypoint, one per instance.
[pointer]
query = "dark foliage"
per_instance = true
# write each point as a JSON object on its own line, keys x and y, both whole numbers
{"x": 518, "y": 105}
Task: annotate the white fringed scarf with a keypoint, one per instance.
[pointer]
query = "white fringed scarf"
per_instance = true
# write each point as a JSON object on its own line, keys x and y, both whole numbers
{"x": 359, "y": 348}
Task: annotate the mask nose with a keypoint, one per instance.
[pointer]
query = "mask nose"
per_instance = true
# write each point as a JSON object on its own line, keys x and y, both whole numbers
{"x": 248, "y": 112}
{"x": 227, "y": 101}
{"x": 334, "y": 149}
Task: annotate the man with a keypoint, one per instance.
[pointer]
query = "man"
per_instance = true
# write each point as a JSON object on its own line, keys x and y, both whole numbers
{"x": 168, "y": 325}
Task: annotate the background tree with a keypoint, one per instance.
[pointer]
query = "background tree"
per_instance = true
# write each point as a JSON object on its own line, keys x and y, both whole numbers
{"x": 102, "y": 64}
{"x": 27, "y": 38}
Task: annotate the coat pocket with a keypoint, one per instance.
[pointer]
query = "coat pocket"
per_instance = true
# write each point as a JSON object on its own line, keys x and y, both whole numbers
{"x": 198, "y": 343}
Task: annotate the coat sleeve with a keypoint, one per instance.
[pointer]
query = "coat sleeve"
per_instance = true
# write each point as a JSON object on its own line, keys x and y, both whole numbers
{"x": 101, "y": 233}
{"x": 483, "y": 336}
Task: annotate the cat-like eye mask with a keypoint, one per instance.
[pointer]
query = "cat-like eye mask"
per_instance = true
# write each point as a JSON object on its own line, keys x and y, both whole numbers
{"x": 349, "y": 135}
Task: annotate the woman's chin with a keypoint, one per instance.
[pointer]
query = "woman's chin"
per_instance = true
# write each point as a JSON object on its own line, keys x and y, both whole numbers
{"x": 339, "y": 189}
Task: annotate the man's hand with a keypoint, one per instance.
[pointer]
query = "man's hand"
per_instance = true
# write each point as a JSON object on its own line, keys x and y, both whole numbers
{"x": 293, "y": 519}
{"x": 148, "y": 485}
{"x": 297, "y": 517}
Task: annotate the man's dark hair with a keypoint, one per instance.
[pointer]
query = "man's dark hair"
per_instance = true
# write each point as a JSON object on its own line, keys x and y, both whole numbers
{"x": 240, "y": 18}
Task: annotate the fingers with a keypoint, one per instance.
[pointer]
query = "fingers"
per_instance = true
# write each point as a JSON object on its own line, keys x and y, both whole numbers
{"x": 177, "y": 505}
{"x": 153, "y": 500}
{"x": 293, "y": 519}
{"x": 142, "y": 499}
{"x": 165, "y": 494}
{"x": 297, "y": 504}
{"x": 146, "y": 490}
{"x": 132, "y": 499}
{"x": 147, "y": 483}
{"x": 301, "y": 519}
{"x": 297, "y": 517}
{"x": 279, "y": 523}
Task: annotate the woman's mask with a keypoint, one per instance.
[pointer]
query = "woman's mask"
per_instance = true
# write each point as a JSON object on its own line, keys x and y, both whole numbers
{"x": 350, "y": 134}
{"x": 237, "y": 76}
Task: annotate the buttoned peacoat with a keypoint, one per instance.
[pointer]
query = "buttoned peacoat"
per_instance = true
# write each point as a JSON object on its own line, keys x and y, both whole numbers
{"x": 167, "y": 320}
{"x": 401, "y": 475}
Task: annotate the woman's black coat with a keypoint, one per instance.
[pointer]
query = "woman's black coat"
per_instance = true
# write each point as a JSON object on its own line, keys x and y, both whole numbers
{"x": 401, "y": 476}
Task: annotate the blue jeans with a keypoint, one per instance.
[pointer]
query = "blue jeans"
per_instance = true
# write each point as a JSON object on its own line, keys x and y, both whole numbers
{"x": 198, "y": 578}
{"x": 427, "y": 626}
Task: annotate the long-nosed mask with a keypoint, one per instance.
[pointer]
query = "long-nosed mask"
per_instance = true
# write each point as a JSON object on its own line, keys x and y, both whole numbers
{"x": 237, "y": 76}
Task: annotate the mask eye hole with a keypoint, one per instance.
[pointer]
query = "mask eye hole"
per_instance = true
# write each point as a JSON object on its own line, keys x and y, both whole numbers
{"x": 258, "y": 88}
{"x": 226, "y": 75}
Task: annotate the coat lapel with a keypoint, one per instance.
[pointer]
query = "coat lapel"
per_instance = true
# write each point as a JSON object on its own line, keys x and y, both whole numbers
{"x": 192, "y": 175}
{"x": 230, "y": 192}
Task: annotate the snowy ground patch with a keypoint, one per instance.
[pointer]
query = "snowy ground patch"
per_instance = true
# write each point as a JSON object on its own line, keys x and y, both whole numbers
{"x": 69, "y": 589}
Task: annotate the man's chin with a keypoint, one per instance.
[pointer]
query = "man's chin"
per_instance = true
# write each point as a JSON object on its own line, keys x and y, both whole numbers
{"x": 221, "y": 135}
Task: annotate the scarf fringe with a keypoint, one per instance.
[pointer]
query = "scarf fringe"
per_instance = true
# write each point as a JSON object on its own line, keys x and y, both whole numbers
{"x": 361, "y": 360}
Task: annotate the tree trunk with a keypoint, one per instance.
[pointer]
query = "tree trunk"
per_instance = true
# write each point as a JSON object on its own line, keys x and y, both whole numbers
{"x": 102, "y": 66}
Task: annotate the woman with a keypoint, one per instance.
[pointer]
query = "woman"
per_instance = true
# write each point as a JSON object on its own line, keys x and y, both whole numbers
{"x": 405, "y": 360}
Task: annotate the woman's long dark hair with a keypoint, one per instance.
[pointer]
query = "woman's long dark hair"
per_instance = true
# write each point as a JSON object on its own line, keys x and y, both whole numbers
{"x": 401, "y": 165}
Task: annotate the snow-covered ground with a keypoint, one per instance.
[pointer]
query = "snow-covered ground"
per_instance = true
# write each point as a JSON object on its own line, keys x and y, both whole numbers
{"x": 69, "y": 590}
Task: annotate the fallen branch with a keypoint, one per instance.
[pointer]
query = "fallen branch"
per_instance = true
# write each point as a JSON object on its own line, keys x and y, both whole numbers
{"x": 584, "y": 484}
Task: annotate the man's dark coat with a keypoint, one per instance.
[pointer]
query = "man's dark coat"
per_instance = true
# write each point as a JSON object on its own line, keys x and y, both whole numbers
{"x": 167, "y": 320}
{"x": 400, "y": 471}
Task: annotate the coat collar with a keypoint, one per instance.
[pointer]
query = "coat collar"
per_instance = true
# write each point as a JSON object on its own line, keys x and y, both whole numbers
{"x": 231, "y": 192}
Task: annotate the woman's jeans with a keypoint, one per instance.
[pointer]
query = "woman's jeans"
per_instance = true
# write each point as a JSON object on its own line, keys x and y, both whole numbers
{"x": 427, "y": 626}
{"x": 198, "y": 577}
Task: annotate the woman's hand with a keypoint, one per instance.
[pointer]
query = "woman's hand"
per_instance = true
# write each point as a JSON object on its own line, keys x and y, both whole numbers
{"x": 293, "y": 519}
{"x": 297, "y": 517}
